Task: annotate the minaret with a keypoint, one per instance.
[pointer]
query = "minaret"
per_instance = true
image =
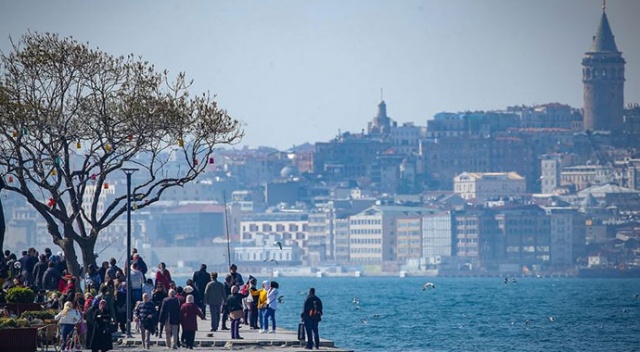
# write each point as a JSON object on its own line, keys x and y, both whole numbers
{"x": 603, "y": 79}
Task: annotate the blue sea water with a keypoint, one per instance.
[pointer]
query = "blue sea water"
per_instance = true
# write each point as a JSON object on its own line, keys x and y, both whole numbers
{"x": 471, "y": 314}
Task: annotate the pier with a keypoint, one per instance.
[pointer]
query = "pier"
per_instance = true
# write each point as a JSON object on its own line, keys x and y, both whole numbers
{"x": 283, "y": 340}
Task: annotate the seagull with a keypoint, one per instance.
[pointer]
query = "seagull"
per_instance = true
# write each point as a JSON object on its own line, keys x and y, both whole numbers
{"x": 376, "y": 315}
{"x": 552, "y": 318}
{"x": 281, "y": 299}
{"x": 363, "y": 321}
{"x": 271, "y": 260}
{"x": 506, "y": 280}
{"x": 278, "y": 243}
{"x": 428, "y": 285}
{"x": 355, "y": 300}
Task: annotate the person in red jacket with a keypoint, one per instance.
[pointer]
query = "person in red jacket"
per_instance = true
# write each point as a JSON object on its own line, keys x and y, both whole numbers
{"x": 189, "y": 312}
{"x": 163, "y": 275}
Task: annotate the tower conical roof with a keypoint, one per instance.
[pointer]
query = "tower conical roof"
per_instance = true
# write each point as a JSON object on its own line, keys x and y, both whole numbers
{"x": 604, "y": 40}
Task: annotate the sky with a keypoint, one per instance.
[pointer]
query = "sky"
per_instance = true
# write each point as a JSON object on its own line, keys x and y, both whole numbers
{"x": 301, "y": 71}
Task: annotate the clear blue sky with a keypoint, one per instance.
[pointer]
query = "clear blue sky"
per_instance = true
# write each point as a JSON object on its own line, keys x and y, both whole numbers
{"x": 299, "y": 71}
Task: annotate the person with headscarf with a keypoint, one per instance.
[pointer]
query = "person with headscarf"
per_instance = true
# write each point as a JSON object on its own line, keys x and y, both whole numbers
{"x": 99, "y": 328}
{"x": 189, "y": 313}
{"x": 68, "y": 318}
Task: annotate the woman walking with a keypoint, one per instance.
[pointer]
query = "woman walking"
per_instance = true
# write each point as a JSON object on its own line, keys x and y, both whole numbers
{"x": 68, "y": 318}
{"x": 189, "y": 312}
{"x": 99, "y": 328}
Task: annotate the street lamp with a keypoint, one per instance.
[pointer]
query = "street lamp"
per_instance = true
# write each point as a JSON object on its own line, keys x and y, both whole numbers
{"x": 129, "y": 172}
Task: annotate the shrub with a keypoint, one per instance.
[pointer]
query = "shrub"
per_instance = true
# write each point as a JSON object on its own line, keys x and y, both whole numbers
{"x": 11, "y": 323}
{"x": 38, "y": 314}
{"x": 20, "y": 295}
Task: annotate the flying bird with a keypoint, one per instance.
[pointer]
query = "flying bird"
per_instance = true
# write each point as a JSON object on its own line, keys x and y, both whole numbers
{"x": 428, "y": 285}
{"x": 552, "y": 318}
{"x": 363, "y": 321}
{"x": 281, "y": 299}
{"x": 355, "y": 300}
{"x": 278, "y": 243}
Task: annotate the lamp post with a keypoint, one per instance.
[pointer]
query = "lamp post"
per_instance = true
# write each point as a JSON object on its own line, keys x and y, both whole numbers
{"x": 129, "y": 172}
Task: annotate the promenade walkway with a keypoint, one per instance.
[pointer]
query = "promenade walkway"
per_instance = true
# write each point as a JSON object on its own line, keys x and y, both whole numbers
{"x": 282, "y": 340}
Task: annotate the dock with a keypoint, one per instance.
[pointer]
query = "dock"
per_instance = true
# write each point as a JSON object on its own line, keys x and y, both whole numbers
{"x": 282, "y": 340}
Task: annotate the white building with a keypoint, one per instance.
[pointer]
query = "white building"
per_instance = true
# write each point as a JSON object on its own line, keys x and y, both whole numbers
{"x": 483, "y": 186}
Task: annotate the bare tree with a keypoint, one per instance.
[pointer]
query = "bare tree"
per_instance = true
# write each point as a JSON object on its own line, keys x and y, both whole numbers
{"x": 72, "y": 117}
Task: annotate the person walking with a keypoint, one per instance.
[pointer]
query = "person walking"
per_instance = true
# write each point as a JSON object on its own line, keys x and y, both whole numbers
{"x": 311, "y": 315}
{"x": 68, "y": 318}
{"x": 170, "y": 318}
{"x": 189, "y": 313}
{"x": 99, "y": 328}
{"x": 214, "y": 297}
{"x": 147, "y": 316}
{"x": 234, "y": 305}
{"x": 200, "y": 280}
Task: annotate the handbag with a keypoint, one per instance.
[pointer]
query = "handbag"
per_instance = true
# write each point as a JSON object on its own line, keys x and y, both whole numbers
{"x": 236, "y": 314}
{"x": 301, "y": 332}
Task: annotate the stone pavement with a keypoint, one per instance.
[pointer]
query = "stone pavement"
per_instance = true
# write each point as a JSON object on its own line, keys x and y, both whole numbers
{"x": 283, "y": 340}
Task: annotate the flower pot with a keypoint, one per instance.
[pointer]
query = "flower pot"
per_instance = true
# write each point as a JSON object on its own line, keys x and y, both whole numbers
{"x": 18, "y": 339}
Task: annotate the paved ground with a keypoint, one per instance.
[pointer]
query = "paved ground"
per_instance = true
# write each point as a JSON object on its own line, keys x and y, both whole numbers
{"x": 282, "y": 340}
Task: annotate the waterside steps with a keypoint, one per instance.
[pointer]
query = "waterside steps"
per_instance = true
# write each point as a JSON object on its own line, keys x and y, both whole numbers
{"x": 282, "y": 340}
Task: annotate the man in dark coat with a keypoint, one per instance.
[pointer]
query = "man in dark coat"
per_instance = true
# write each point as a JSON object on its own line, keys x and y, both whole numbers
{"x": 39, "y": 270}
{"x": 311, "y": 316}
{"x": 51, "y": 277}
{"x": 170, "y": 318}
{"x": 200, "y": 280}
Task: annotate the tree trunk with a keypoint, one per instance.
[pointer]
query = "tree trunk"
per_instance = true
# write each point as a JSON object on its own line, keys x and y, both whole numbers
{"x": 87, "y": 248}
{"x": 73, "y": 267}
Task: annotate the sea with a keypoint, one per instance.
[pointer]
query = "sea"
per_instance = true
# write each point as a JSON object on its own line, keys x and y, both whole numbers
{"x": 470, "y": 314}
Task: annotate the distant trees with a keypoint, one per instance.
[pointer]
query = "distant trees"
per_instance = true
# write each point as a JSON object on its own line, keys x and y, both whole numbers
{"x": 71, "y": 116}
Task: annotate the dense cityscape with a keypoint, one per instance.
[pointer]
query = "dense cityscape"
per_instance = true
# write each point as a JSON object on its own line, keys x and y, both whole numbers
{"x": 537, "y": 190}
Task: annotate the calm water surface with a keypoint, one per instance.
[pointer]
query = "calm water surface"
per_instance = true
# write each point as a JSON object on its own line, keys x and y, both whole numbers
{"x": 471, "y": 314}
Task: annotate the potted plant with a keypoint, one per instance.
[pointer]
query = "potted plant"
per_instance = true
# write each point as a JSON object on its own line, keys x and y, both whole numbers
{"x": 20, "y": 299}
{"x": 43, "y": 316}
{"x": 17, "y": 336}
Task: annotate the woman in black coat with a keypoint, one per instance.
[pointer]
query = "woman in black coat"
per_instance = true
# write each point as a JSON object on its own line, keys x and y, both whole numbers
{"x": 99, "y": 328}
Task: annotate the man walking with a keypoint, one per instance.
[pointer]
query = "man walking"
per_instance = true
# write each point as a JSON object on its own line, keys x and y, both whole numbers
{"x": 200, "y": 280}
{"x": 311, "y": 316}
{"x": 170, "y": 317}
{"x": 214, "y": 296}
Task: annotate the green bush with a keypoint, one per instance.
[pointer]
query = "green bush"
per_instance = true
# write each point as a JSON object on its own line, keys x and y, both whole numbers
{"x": 11, "y": 323}
{"x": 38, "y": 314}
{"x": 20, "y": 295}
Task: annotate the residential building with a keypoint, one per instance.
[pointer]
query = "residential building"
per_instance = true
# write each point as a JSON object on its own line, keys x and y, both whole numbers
{"x": 484, "y": 186}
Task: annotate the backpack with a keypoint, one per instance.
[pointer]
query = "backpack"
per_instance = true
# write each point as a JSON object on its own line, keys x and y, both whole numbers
{"x": 316, "y": 312}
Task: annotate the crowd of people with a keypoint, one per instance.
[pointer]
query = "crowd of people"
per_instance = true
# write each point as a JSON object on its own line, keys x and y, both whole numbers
{"x": 94, "y": 305}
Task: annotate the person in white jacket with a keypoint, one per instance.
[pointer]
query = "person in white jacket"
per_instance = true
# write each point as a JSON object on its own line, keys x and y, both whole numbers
{"x": 272, "y": 305}
{"x": 68, "y": 318}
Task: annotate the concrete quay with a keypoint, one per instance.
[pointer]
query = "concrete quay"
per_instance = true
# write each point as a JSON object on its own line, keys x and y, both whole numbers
{"x": 283, "y": 340}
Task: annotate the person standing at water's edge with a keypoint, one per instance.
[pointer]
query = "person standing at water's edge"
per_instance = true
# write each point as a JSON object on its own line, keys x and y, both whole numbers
{"x": 311, "y": 316}
{"x": 214, "y": 296}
